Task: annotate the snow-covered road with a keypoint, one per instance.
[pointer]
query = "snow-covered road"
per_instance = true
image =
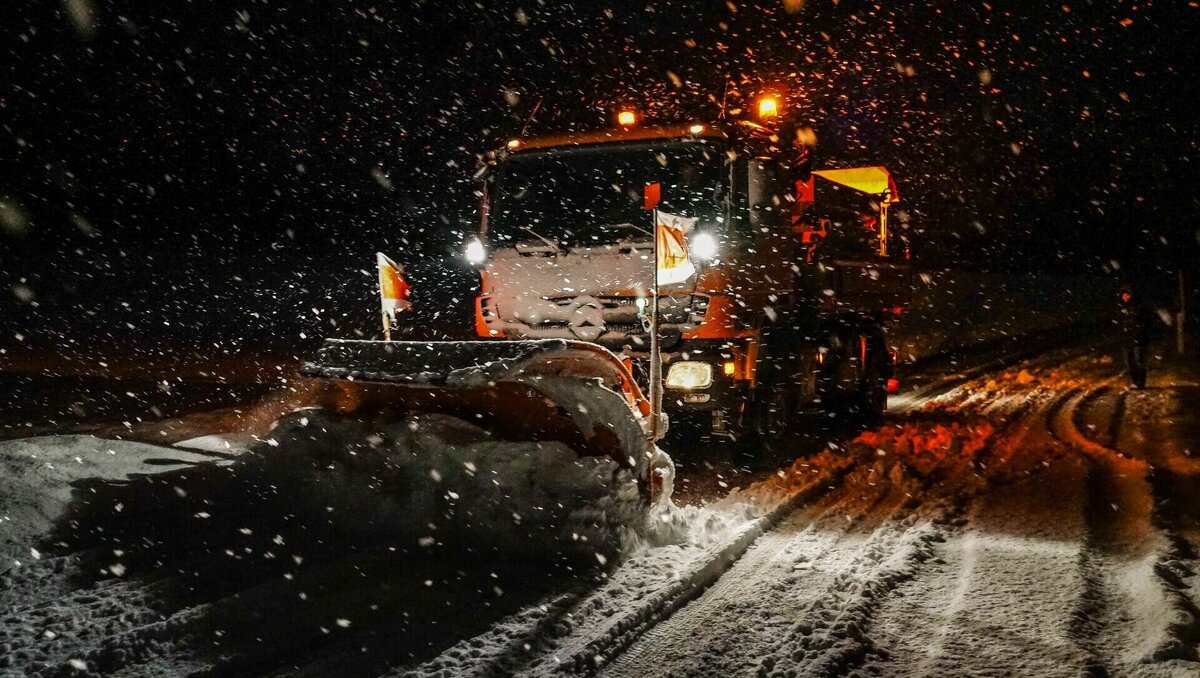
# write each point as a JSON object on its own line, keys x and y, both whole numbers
{"x": 1036, "y": 520}
{"x": 990, "y": 529}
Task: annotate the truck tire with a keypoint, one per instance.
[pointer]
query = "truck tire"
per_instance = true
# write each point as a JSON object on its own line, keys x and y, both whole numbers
{"x": 855, "y": 384}
{"x": 767, "y": 414}
{"x": 879, "y": 370}
{"x": 871, "y": 404}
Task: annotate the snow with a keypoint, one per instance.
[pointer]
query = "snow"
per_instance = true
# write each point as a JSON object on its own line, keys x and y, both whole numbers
{"x": 456, "y": 363}
{"x": 235, "y": 443}
{"x": 595, "y": 409}
{"x": 560, "y": 296}
{"x": 428, "y": 482}
{"x": 39, "y": 477}
{"x": 1006, "y": 513}
{"x": 580, "y": 272}
{"x": 440, "y": 477}
{"x": 950, "y": 547}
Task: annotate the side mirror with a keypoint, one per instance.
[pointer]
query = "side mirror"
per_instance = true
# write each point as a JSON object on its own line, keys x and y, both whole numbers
{"x": 651, "y": 196}
{"x": 762, "y": 193}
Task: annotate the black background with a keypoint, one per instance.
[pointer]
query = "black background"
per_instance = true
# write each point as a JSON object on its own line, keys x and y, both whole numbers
{"x": 222, "y": 172}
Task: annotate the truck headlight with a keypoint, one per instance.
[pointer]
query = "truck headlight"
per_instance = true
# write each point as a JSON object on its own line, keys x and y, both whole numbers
{"x": 704, "y": 246}
{"x": 688, "y": 375}
{"x": 475, "y": 252}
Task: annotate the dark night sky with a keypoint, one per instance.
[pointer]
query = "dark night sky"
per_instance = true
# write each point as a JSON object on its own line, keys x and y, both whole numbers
{"x": 224, "y": 170}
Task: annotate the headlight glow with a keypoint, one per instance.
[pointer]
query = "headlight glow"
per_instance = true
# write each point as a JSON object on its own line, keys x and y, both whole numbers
{"x": 475, "y": 252}
{"x": 704, "y": 246}
{"x": 688, "y": 375}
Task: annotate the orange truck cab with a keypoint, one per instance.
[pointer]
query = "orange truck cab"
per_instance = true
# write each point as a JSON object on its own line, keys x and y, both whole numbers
{"x": 761, "y": 316}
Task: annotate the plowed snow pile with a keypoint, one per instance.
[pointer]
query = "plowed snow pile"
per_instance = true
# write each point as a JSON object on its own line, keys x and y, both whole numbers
{"x": 429, "y": 476}
{"x": 437, "y": 477}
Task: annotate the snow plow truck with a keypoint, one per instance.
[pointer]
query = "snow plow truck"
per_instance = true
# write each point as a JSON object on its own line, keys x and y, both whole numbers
{"x": 647, "y": 273}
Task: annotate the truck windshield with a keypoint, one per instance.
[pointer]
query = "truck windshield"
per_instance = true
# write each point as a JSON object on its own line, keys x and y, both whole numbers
{"x": 593, "y": 195}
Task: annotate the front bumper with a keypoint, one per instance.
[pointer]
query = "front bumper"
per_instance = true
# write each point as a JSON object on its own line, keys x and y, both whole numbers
{"x": 726, "y": 393}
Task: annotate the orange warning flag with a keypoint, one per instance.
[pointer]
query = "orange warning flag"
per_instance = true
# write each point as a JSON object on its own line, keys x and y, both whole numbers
{"x": 674, "y": 265}
{"x": 393, "y": 291}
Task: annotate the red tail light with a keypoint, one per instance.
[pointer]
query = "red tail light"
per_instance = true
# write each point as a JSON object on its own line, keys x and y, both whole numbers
{"x": 893, "y": 385}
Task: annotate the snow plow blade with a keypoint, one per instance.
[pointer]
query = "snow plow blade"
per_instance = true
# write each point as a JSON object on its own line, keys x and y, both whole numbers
{"x": 573, "y": 392}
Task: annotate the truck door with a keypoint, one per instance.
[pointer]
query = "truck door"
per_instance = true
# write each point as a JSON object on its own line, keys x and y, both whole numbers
{"x": 774, "y": 249}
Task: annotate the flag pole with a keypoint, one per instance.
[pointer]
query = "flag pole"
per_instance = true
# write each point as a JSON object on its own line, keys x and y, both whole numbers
{"x": 655, "y": 354}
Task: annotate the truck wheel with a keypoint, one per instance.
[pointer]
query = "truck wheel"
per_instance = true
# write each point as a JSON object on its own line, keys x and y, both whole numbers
{"x": 773, "y": 419}
{"x": 768, "y": 415}
{"x": 872, "y": 404}
{"x": 871, "y": 399}
{"x": 854, "y": 386}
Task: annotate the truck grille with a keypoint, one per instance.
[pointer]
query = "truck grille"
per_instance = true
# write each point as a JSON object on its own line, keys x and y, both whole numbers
{"x": 623, "y": 311}
{"x": 625, "y": 328}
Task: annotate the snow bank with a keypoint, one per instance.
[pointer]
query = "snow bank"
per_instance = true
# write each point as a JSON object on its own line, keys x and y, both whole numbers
{"x": 39, "y": 476}
{"x": 437, "y": 480}
{"x": 433, "y": 479}
{"x": 666, "y": 523}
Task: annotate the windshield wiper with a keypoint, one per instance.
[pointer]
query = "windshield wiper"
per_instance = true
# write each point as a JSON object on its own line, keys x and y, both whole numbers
{"x": 632, "y": 227}
{"x": 558, "y": 249}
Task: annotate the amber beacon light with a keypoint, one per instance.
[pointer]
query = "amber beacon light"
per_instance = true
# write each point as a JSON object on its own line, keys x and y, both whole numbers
{"x": 768, "y": 106}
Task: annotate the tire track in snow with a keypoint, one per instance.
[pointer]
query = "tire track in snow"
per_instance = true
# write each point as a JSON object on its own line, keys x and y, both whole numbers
{"x": 1132, "y": 611}
{"x": 819, "y": 647}
{"x": 988, "y": 599}
{"x": 831, "y": 639}
{"x": 784, "y": 575}
{"x": 1093, "y": 608}
{"x": 1173, "y": 479}
{"x": 580, "y": 634}
{"x": 1180, "y": 569}
{"x": 1177, "y": 558}
{"x": 620, "y": 635}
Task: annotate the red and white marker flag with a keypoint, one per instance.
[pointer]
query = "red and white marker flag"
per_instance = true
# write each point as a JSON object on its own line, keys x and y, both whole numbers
{"x": 393, "y": 292}
{"x": 674, "y": 264}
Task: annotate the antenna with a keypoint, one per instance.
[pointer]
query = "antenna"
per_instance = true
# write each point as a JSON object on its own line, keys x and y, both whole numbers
{"x": 529, "y": 118}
